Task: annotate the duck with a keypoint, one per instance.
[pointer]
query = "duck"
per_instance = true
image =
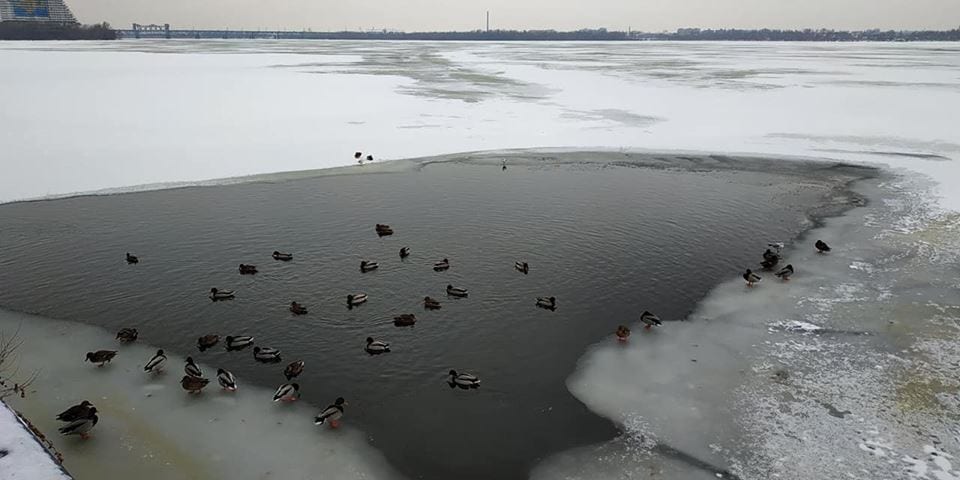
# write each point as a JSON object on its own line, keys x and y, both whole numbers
{"x": 82, "y": 410}
{"x": 384, "y": 230}
{"x": 404, "y": 320}
{"x": 369, "y": 158}
{"x": 751, "y": 277}
{"x": 286, "y": 257}
{"x": 650, "y": 320}
{"x": 549, "y": 303}
{"x": 332, "y": 413}
{"x": 247, "y": 269}
{"x": 238, "y": 342}
{"x": 356, "y": 299}
{"x": 768, "y": 264}
{"x": 293, "y": 370}
{"x": 266, "y": 354}
{"x": 456, "y": 291}
{"x": 127, "y": 335}
{"x": 785, "y": 273}
{"x": 357, "y": 155}
{"x": 523, "y": 267}
{"x": 404, "y": 252}
{"x": 776, "y": 246}
{"x": 131, "y": 259}
{"x": 503, "y": 165}
{"x": 226, "y": 380}
{"x": 463, "y": 380}
{"x": 207, "y": 341}
{"x": 216, "y": 294}
{"x": 376, "y": 346}
{"x": 287, "y": 392}
{"x": 156, "y": 362}
{"x": 297, "y": 309}
{"x": 101, "y": 356}
{"x": 81, "y": 426}
{"x": 366, "y": 266}
{"x": 623, "y": 333}
{"x": 441, "y": 265}
{"x": 770, "y": 259}
{"x": 193, "y": 384}
{"x": 822, "y": 246}
{"x": 192, "y": 369}
{"x": 430, "y": 303}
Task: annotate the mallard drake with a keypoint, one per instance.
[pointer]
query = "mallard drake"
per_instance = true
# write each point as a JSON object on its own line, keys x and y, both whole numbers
{"x": 441, "y": 265}
{"x": 623, "y": 333}
{"x": 375, "y": 346}
{"x": 332, "y": 413}
{"x": 192, "y": 369}
{"x": 226, "y": 380}
{"x": 282, "y": 256}
{"x": 266, "y": 354}
{"x": 101, "y": 356}
{"x": 463, "y": 380}
{"x": 207, "y": 341}
{"x": 82, "y": 410}
{"x": 356, "y": 299}
{"x": 404, "y": 320}
{"x": 523, "y": 267}
{"x": 404, "y": 252}
{"x": 549, "y": 303}
{"x": 430, "y": 303}
{"x": 81, "y": 426}
{"x": 297, "y": 309}
{"x": 132, "y": 258}
{"x": 127, "y": 335}
{"x": 785, "y": 273}
{"x": 751, "y": 277}
{"x": 247, "y": 269}
{"x": 216, "y": 294}
{"x": 366, "y": 266}
{"x": 156, "y": 363}
{"x": 650, "y": 320}
{"x": 287, "y": 392}
{"x": 238, "y": 342}
{"x": 193, "y": 384}
{"x": 293, "y": 370}
{"x": 822, "y": 246}
{"x": 456, "y": 291}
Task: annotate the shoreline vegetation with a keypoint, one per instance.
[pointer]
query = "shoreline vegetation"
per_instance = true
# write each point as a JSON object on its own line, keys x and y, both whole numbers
{"x": 55, "y": 31}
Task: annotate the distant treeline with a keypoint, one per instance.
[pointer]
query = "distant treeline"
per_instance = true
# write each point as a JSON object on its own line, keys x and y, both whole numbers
{"x": 55, "y": 31}
{"x": 684, "y": 34}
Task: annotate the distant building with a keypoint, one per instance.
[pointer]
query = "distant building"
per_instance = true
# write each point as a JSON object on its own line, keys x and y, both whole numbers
{"x": 36, "y": 11}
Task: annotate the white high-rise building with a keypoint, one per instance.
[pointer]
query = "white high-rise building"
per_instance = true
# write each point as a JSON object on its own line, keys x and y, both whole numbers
{"x": 42, "y": 11}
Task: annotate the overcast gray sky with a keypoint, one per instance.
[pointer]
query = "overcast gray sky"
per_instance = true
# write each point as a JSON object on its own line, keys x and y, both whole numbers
{"x": 418, "y": 15}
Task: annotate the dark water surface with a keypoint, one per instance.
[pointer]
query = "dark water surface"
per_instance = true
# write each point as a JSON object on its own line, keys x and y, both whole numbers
{"x": 608, "y": 240}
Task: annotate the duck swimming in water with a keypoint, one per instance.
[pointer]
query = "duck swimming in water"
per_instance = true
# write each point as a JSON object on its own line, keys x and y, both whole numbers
{"x": 430, "y": 303}
{"x": 193, "y": 384}
{"x": 266, "y": 354}
{"x": 207, "y": 341}
{"x": 155, "y": 364}
{"x": 523, "y": 267}
{"x": 81, "y": 426}
{"x": 331, "y": 414}
{"x": 404, "y": 252}
{"x": 247, "y": 269}
{"x": 131, "y": 259}
{"x": 287, "y": 392}
{"x": 101, "y": 356}
{"x": 821, "y": 246}
{"x": 404, "y": 320}
{"x": 226, "y": 380}
{"x": 463, "y": 380}
{"x": 366, "y": 266}
{"x": 286, "y": 257}
{"x": 456, "y": 291}
{"x": 649, "y": 320}
{"x": 369, "y": 158}
{"x": 127, "y": 335}
{"x": 297, "y": 309}
{"x": 293, "y": 370}
{"x": 82, "y": 410}
{"x": 751, "y": 277}
{"x": 548, "y": 303}
{"x": 623, "y": 333}
{"x": 238, "y": 342}
{"x": 216, "y": 294}
{"x": 441, "y": 265}
{"x": 384, "y": 230}
{"x": 192, "y": 369}
{"x": 356, "y": 299}
{"x": 375, "y": 347}
{"x": 770, "y": 259}
{"x": 785, "y": 273}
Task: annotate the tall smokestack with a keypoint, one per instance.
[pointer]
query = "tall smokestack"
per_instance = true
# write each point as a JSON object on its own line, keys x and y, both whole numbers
{"x": 488, "y": 20}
